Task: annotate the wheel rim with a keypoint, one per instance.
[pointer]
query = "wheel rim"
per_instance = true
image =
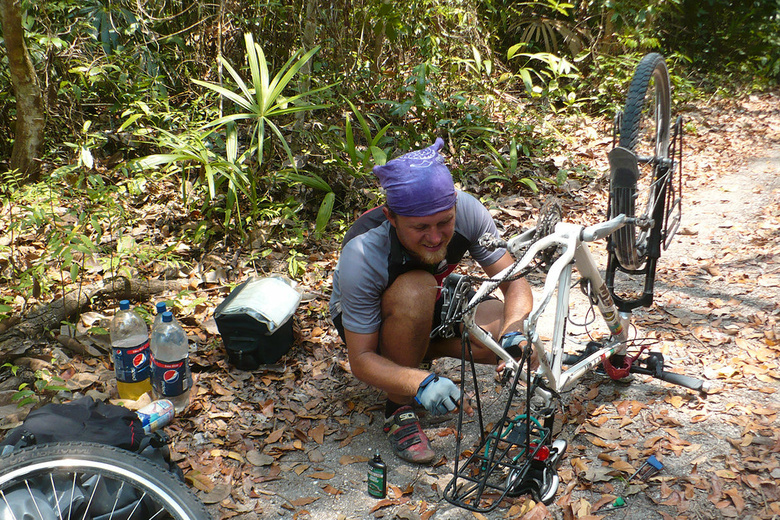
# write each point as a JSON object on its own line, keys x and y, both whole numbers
{"x": 23, "y": 477}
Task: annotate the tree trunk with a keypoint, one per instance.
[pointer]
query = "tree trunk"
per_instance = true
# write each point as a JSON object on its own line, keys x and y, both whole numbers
{"x": 16, "y": 339}
{"x": 30, "y": 113}
{"x": 379, "y": 38}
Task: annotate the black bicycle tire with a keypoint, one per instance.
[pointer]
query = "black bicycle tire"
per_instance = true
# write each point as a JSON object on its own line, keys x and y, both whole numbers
{"x": 108, "y": 461}
{"x": 629, "y": 241}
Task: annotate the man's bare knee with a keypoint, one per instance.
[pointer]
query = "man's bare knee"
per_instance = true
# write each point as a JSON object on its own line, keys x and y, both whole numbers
{"x": 412, "y": 296}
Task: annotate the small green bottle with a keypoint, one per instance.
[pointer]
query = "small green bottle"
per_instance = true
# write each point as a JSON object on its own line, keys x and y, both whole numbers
{"x": 377, "y": 477}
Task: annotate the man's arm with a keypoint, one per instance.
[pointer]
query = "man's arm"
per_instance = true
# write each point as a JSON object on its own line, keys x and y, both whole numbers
{"x": 401, "y": 383}
{"x": 518, "y": 298}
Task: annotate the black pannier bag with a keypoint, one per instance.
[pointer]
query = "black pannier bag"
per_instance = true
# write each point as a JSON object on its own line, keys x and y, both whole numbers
{"x": 87, "y": 420}
{"x": 255, "y": 321}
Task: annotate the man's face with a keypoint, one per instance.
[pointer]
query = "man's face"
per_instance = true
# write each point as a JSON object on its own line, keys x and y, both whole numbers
{"x": 425, "y": 237}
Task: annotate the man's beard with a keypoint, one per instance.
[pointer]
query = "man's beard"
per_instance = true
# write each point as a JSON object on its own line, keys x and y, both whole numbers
{"x": 428, "y": 258}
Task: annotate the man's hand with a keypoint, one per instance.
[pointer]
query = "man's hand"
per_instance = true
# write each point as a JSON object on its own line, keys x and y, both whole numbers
{"x": 514, "y": 343}
{"x": 438, "y": 395}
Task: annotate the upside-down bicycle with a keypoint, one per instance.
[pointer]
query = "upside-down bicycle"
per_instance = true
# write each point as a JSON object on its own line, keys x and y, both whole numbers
{"x": 519, "y": 455}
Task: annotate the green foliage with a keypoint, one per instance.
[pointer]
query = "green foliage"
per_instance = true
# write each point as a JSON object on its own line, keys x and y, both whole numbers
{"x": 552, "y": 77}
{"x": 479, "y": 67}
{"x": 296, "y": 264}
{"x": 106, "y": 21}
{"x": 420, "y": 104}
{"x": 46, "y": 384}
{"x": 313, "y": 180}
{"x": 738, "y": 38}
{"x": 507, "y": 167}
{"x": 362, "y": 154}
{"x": 263, "y": 100}
{"x": 547, "y": 27}
{"x": 483, "y": 75}
{"x": 191, "y": 156}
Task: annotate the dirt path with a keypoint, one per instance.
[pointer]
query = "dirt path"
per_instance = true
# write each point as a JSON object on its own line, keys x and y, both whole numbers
{"x": 293, "y": 442}
{"x": 715, "y": 317}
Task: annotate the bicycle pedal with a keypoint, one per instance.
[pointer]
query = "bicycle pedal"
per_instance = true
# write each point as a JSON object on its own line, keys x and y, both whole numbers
{"x": 557, "y": 451}
{"x": 541, "y": 482}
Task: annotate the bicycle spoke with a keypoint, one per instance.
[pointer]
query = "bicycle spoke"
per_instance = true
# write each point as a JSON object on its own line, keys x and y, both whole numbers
{"x": 35, "y": 502}
{"x": 161, "y": 510}
{"x": 138, "y": 503}
{"x": 13, "y": 516}
{"x": 72, "y": 495}
{"x": 89, "y": 503}
{"x": 56, "y": 497}
{"x": 116, "y": 500}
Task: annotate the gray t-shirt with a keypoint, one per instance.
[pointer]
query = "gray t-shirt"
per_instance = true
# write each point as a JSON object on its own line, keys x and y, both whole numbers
{"x": 372, "y": 258}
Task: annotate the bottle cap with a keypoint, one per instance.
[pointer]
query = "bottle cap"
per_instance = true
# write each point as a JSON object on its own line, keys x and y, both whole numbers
{"x": 161, "y": 307}
{"x": 167, "y": 316}
{"x": 124, "y": 305}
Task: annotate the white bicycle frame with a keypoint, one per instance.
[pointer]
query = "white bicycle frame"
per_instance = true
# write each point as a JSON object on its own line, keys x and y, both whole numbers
{"x": 572, "y": 239}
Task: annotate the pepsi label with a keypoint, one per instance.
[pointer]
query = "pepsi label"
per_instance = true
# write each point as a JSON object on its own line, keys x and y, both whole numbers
{"x": 170, "y": 379}
{"x": 131, "y": 365}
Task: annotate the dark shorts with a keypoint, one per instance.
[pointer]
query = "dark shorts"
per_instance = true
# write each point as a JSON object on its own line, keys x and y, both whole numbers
{"x": 437, "y": 313}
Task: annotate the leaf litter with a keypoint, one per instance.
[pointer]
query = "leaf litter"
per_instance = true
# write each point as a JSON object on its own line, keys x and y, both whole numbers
{"x": 292, "y": 440}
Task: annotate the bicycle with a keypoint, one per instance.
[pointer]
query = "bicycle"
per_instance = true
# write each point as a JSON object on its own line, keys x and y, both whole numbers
{"x": 91, "y": 481}
{"x": 518, "y": 455}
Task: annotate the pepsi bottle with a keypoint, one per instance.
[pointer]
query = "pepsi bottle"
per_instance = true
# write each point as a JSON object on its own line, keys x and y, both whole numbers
{"x": 161, "y": 307}
{"x": 130, "y": 349}
{"x": 171, "y": 377}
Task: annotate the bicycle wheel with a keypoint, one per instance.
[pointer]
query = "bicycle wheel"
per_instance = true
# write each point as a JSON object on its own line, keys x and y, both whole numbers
{"x": 91, "y": 481}
{"x": 645, "y": 131}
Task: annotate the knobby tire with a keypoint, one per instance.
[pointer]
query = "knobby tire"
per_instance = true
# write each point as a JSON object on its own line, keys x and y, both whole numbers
{"x": 645, "y": 130}
{"x": 40, "y": 466}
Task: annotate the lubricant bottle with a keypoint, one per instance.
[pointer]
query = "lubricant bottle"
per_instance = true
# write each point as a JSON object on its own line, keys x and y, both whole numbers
{"x": 377, "y": 477}
{"x": 155, "y": 415}
{"x": 171, "y": 377}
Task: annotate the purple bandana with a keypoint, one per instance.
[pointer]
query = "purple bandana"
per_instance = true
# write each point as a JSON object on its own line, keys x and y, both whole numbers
{"x": 418, "y": 183}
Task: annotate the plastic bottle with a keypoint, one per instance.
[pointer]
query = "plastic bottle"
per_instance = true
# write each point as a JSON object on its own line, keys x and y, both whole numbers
{"x": 161, "y": 307}
{"x": 130, "y": 347}
{"x": 377, "y": 477}
{"x": 171, "y": 377}
{"x": 155, "y": 415}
